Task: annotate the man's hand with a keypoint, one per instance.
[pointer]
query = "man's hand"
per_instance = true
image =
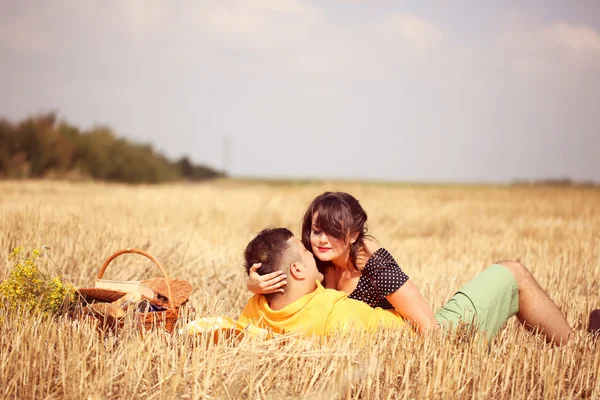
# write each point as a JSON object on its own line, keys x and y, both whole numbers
{"x": 265, "y": 284}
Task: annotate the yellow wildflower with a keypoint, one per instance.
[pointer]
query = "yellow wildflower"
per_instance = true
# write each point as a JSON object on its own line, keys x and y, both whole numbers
{"x": 28, "y": 287}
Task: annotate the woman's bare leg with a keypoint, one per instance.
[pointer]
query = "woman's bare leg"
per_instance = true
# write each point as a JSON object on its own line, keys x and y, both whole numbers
{"x": 537, "y": 311}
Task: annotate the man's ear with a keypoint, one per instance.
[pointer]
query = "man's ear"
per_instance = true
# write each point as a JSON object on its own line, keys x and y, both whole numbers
{"x": 297, "y": 271}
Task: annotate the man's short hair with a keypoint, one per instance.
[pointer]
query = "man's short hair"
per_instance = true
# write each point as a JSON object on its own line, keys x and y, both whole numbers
{"x": 272, "y": 249}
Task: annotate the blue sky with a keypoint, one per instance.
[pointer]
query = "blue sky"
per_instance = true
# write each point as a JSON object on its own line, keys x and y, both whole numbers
{"x": 457, "y": 91}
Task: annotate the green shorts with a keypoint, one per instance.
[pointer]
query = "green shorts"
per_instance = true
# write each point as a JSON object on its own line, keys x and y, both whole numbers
{"x": 486, "y": 302}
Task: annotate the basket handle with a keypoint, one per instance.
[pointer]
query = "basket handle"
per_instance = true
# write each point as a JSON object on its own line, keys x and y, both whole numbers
{"x": 147, "y": 255}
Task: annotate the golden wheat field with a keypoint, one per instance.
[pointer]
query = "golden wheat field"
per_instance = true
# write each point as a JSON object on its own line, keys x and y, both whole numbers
{"x": 441, "y": 236}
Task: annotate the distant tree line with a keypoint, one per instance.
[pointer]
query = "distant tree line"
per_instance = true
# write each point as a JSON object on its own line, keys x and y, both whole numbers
{"x": 41, "y": 147}
{"x": 554, "y": 182}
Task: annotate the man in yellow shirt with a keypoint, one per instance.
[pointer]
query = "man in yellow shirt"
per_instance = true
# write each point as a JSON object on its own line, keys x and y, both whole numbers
{"x": 305, "y": 306}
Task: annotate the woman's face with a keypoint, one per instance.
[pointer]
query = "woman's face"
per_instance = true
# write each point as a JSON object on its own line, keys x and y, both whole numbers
{"x": 326, "y": 247}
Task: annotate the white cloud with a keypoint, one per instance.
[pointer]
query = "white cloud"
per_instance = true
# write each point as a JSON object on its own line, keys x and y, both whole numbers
{"x": 557, "y": 55}
{"x": 249, "y": 26}
{"x": 575, "y": 37}
{"x": 146, "y": 16}
{"x": 559, "y": 39}
{"x": 408, "y": 28}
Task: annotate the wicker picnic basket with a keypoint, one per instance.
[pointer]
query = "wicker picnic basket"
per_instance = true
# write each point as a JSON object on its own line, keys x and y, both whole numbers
{"x": 169, "y": 296}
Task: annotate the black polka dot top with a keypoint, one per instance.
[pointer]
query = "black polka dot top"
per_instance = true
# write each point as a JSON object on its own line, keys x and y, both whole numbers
{"x": 381, "y": 276}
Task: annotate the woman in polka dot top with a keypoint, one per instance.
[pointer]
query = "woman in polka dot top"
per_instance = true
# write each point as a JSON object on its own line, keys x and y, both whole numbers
{"x": 334, "y": 229}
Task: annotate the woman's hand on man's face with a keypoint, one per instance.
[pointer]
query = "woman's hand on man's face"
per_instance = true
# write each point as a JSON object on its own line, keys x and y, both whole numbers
{"x": 265, "y": 284}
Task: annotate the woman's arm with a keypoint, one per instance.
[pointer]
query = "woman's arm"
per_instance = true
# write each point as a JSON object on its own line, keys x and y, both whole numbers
{"x": 409, "y": 302}
{"x": 407, "y": 299}
{"x": 265, "y": 284}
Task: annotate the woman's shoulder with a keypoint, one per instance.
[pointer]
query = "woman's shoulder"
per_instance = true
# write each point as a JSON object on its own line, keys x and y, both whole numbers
{"x": 371, "y": 245}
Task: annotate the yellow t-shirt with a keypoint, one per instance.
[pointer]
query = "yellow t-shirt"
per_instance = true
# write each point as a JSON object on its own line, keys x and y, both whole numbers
{"x": 322, "y": 312}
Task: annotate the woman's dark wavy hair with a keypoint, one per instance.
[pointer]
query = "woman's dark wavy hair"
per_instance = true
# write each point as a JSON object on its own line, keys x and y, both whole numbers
{"x": 340, "y": 216}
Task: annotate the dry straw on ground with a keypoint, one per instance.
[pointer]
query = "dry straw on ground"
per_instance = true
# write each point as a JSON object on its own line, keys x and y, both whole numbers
{"x": 441, "y": 236}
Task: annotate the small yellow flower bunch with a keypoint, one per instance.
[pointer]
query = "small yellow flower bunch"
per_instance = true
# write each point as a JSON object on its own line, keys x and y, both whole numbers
{"x": 30, "y": 289}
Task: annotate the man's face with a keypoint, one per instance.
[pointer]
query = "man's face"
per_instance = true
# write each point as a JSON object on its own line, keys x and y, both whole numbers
{"x": 308, "y": 260}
